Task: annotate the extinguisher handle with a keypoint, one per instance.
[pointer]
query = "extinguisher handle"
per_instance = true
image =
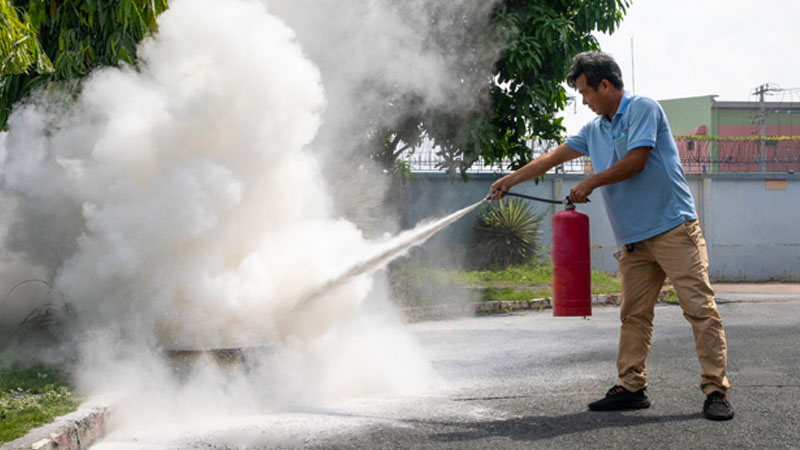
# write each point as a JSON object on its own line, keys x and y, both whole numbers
{"x": 569, "y": 203}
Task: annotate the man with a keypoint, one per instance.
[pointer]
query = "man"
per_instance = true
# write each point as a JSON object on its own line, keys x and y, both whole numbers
{"x": 654, "y": 221}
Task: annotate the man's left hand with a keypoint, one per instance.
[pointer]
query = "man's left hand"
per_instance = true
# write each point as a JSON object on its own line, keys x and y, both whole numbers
{"x": 580, "y": 192}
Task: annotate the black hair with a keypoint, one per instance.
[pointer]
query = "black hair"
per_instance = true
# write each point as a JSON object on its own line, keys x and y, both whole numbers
{"x": 597, "y": 66}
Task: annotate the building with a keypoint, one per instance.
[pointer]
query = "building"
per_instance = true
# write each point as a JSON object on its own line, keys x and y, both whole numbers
{"x": 720, "y": 136}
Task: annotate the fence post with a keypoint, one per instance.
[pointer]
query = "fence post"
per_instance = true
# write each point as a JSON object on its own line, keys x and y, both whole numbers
{"x": 558, "y": 188}
{"x": 705, "y": 214}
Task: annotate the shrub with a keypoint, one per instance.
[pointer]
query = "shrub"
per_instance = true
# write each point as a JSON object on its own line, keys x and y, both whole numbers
{"x": 32, "y": 396}
{"x": 506, "y": 234}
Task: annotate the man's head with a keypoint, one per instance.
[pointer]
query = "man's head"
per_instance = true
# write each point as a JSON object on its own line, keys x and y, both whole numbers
{"x": 598, "y": 79}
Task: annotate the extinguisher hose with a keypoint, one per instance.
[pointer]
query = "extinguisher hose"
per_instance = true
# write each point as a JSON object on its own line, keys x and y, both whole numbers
{"x": 538, "y": 199}
{"x": 566, "y": 201}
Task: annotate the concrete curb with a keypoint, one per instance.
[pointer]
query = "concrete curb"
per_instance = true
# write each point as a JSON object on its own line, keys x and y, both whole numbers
{"x": 537, "y": 303}
{"x": 722, "y": 299}
{"x": 74, "y": 431}
{"x": 470, "y": 309}
{"x": 728, "y": 293}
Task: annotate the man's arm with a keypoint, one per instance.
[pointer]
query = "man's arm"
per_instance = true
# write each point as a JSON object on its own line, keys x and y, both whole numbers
{"x": 533, "y": 169}
{"x": 629, "y": 165}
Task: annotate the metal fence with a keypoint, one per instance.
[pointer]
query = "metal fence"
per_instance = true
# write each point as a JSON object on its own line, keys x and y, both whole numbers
{"x": 698, "y": 155}
{"x": 427, "y": 161}
{"x": 739, "y": 155}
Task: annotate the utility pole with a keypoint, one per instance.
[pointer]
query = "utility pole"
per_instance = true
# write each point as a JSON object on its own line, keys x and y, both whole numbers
{"x": 761, "y": 118}
{"x": 633, "y": 70}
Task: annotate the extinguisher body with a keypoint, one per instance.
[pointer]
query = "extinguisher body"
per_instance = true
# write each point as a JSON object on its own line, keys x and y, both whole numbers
{"x": 572, "y": 293}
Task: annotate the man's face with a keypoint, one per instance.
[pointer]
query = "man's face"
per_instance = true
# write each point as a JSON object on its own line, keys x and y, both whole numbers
{"x": 595, "y": 99}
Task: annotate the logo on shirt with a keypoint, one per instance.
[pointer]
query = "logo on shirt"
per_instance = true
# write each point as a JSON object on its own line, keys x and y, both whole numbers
{"x": 622, "y": 136}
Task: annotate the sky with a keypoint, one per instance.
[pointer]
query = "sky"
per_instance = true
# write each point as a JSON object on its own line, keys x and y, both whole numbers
{"x": 687, "y": 48}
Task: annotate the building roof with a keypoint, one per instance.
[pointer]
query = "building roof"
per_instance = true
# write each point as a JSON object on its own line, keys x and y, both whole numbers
{"x": 772, "y": 106}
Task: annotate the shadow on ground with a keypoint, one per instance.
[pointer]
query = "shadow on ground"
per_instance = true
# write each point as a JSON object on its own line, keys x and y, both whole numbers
{"x": 531, "y": 428}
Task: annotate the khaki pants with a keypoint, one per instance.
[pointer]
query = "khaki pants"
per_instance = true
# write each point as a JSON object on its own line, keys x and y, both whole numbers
{"x": 680, "y": 254}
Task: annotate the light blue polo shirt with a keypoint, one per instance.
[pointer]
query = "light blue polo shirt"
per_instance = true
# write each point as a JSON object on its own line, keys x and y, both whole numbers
{"x": 654, "y": 200}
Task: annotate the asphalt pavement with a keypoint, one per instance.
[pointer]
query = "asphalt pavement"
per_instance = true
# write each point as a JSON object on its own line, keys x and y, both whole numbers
{"x": 523, "y": 380}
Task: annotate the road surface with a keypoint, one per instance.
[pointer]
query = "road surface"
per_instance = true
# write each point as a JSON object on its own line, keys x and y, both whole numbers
{"x": 523, "y": 381}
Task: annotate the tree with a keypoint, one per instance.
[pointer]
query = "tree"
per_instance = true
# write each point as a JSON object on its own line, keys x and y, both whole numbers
{"x": 19, "y": 48}
{"x": 511, "y": 68}
{"x": 76, "y": 35}
{"x": 522, "y": 89}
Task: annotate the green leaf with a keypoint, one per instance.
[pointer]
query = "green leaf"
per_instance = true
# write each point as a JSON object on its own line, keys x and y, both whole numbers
{"x": 70, "y": 39}
{"x": 505, "y": 234}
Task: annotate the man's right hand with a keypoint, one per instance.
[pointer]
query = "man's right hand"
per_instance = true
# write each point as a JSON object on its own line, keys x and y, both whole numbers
{"x": 500, "y": 187}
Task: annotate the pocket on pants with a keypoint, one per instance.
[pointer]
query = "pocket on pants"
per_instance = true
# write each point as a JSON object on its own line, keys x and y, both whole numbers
{"x": 692, "y": 228}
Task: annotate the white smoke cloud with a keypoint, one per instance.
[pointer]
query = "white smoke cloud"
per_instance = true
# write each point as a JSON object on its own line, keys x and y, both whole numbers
{"x": 187, "y": 203}
{"x": 380, "y": 60}
{"x": 410, "y": 47}
{"x": 195, "y": 197}
{"x": 176, "y": 205}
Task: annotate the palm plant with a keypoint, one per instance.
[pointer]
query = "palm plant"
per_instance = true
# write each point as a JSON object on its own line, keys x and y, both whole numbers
{"x": 506, "y": 234}
{"x": 46, "y": 324}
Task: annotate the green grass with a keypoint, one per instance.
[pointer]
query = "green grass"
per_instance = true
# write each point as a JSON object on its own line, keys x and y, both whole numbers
{"x": 413, "y": 283}
{"x": 30, "y": 397}
{"x": 525, "y": 274}
{"x": 513, "y": 295}
{"x": 671, "y": 297}
{"x": 602, "y": 283}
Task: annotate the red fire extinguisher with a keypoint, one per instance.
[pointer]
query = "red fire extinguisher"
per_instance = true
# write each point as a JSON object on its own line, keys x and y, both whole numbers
{"x": 572, "y": 291}
{"x": 572, "y": 267}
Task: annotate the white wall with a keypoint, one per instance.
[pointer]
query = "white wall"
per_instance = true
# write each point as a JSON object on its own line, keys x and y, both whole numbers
{"x": 753, "y": 234}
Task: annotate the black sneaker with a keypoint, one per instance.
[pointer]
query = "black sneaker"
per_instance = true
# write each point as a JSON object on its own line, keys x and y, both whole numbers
{"x": 620, "y": 398}
{"x": 716, "y": 407}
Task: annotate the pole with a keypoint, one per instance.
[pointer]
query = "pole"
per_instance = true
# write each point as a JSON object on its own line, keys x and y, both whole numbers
{"x": 762, "y": 166}
{"x": 762, "y": 119}
{"x": 633, "y": 72}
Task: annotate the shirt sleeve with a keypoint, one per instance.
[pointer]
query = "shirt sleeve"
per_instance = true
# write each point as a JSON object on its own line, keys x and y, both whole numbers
{"x": 579, "y": 142}
{"x": 642, "y": 124}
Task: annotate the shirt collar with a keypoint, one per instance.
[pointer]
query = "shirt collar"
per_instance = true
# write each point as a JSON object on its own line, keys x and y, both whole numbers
{"x": 623, "y": 103}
